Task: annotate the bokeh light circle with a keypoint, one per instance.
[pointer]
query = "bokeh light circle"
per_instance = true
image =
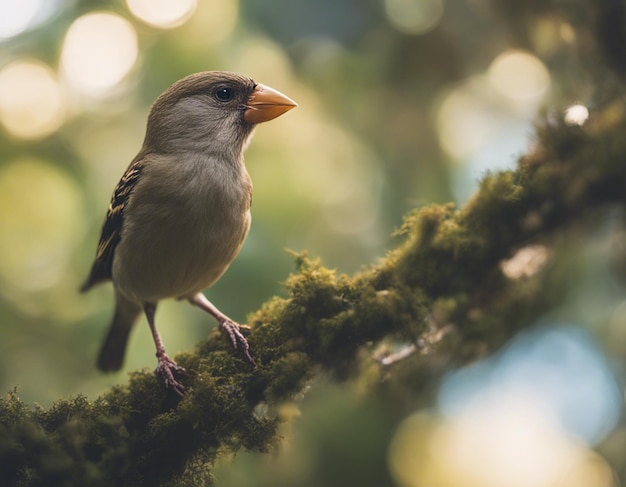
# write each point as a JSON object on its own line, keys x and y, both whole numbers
{"x": 519, "y": 75}
{"x": 576, "y": 115}
{"x": 512, "y": 447}
{"x": 98, "y": 52}
{"x": 465, "y": 120}
{"x": 163, "y": 14}
{"x": 16, "y": 17}
{"x": 414, "y": 16}
{"x": 40, "y": 224}
{"x": 32, "y": 104}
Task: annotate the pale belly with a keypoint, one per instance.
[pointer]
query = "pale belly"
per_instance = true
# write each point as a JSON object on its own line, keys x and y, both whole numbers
{"x": 176, "y": 257}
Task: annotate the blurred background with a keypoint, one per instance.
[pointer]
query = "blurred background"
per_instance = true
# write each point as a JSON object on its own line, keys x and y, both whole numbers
{"x": 401, "y": 103}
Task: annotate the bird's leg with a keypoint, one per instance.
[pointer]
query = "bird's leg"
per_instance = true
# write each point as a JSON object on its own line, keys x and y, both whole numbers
{"x": 228, "y": 326}
{"x": 166, "y": 366}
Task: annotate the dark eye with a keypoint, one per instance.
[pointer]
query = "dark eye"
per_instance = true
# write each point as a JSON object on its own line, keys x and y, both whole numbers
{"x": 224, "y": 94}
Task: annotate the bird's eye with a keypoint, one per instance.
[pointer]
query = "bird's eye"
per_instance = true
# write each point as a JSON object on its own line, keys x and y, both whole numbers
{"x": 224, "y": 94}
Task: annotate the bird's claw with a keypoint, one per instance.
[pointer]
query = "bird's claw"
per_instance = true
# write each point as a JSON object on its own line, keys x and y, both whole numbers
{"x": 233, "y": 330}
{"x": 166, "y": 369}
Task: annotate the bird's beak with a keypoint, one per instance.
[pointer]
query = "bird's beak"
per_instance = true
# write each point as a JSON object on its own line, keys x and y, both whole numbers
{"x": 265, "y": 104}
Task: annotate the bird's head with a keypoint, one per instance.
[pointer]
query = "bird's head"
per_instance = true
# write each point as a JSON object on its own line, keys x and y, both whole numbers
{"x": 212, "y": 111}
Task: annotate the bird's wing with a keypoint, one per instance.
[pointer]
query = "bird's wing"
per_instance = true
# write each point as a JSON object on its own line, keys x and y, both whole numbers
{"x": 112, "y": 228}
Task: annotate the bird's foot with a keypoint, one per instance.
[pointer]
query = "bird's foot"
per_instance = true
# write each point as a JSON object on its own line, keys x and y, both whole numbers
{"x": 166, "y": 370}
{"x": 233, "y": 330}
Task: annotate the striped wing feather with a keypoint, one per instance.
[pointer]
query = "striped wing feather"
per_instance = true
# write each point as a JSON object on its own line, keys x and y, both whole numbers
{"x": 112, "y": 228}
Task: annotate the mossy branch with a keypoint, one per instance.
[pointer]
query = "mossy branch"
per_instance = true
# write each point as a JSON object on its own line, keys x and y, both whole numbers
{"x": 445, "y": 274}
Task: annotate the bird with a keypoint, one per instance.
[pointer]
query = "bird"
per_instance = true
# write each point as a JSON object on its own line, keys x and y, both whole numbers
{"x": 180, "y": 213}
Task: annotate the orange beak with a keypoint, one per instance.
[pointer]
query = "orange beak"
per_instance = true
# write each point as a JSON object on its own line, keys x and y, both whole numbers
{"x": 265, "y": 104}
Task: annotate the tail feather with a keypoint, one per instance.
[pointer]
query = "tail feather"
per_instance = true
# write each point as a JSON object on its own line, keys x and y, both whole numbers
{"x": 111, "y": 357}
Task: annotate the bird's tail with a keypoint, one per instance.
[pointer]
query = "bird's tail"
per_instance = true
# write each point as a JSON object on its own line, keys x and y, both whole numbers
{"x": 113, "y": 349}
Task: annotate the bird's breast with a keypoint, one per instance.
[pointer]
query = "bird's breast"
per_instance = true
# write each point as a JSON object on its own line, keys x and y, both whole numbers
{"x": 182, "y": 229}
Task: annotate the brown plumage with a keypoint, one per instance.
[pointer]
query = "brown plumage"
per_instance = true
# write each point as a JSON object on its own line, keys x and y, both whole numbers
{"x": 181, "y": 211}
{"x": 102, "y": 267}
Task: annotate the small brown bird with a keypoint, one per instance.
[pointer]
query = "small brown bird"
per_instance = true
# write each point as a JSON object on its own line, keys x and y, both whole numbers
{"x": 180, "y": 213}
